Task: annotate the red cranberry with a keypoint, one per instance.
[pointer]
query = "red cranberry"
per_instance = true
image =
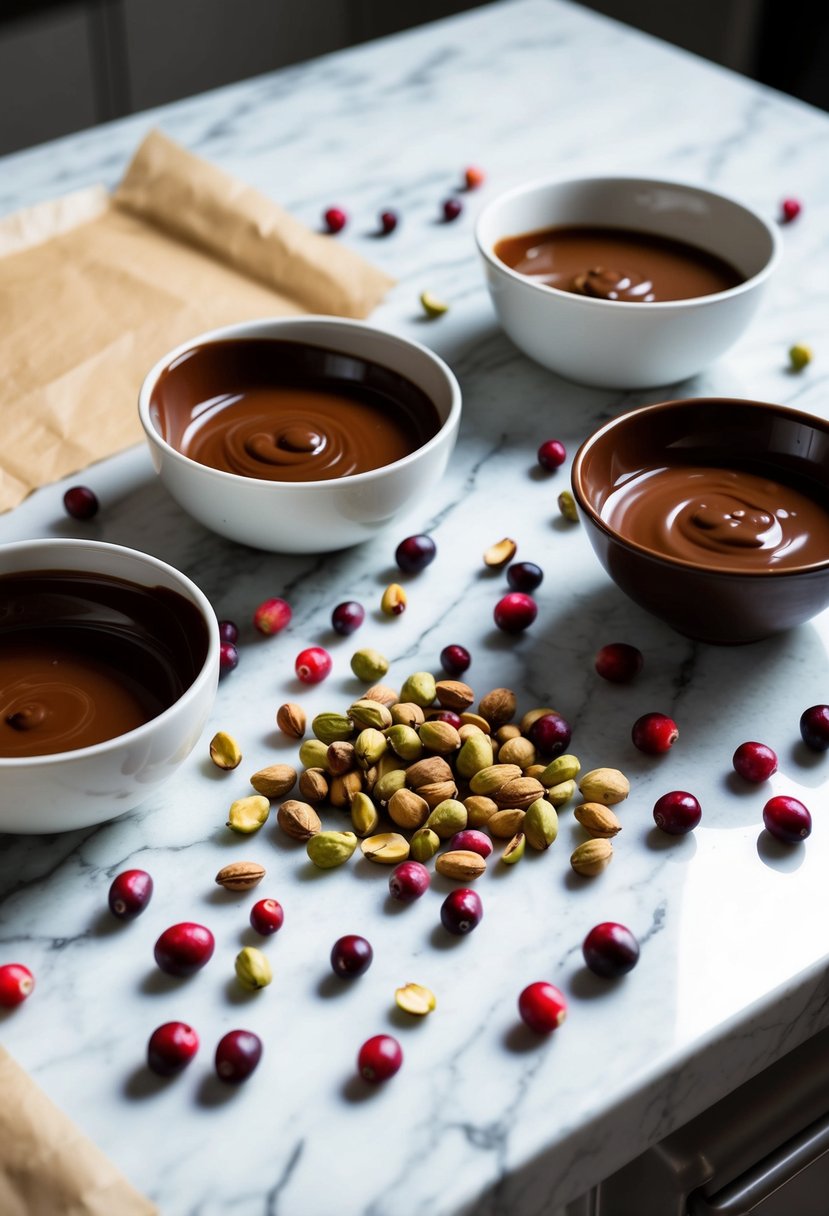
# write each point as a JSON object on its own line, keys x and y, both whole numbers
{"x": 787, "y": 819}
{"x": 228, "y": 658}
{"x": 415, "y": 553}
{"x": 552, "y": 454}
{"x": 237, "y": 1055}
{"x": 452, "y": 208}
{"x": 184, "y": 949}
{"x": 313, "y": 665}
{"x": 379, "y": 1058}
{"x": 130, "y": 893}
{"x": 447, "y": 715}
{"x": 754, "y": 762}
{"x": 677, "y": 813}
{"x": 542, "y": 1007}
{"x": 654, "y": 733}
{"x": 267, "y": 917}
{"x": 171, "y": 1048}
{"x": 335, "y": 219}
{"x": 409, "y": 881}
{"x": 473, "y": 177}
{"x": 16, "y": 983}
{"x": 347, "y": 617}
{"x": 351, "y": 956}
{"x": 515, "y": 612}
{"x": 388, "y": 222}
{"x": 619, "y": 662}
{"x": 473, "y": 840}
{"x": 272, "y": 616}
{"x": 455, "y": 660}
{"x": 790, "y": 209}
{"x": 461, "y": 911}
{"x": 814, "y": 727}
{"x": 80, "y": 502}
{"x": 610, "y": 950}
{"x": 228, "y": 631}
{"x": 551, "y": 735}
{"x": 524, "y": 576}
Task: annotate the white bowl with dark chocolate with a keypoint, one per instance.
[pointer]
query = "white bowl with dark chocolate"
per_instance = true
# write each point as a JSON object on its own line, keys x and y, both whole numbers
{"x": 624, "y": 282}
{"x": 300, "y": 434}
{"x": 109, "y": 661}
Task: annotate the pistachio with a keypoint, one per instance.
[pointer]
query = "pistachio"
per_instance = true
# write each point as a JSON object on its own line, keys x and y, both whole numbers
{"x": 424, "y": 844}
{"x": 460, "y": 863}
{"x": 498, "y": 707}
{"x": 433, "y": 768}
{"x": 532, "y": 715}
{"x": 404, "y": 741}
{"x": 247, "y": 815}
{"x": 420, "y": 688}
{"x": 224, "y": 751}
{"x": 448, "y": 817}
{"x": 253, "y": 971}
{"x": 290, "y": 718}
{"x": 406, "y": 713}
{"x": 313, "y": 785}
{"x": 519, "y": 792}
{"x": 475, "y": 754}
{"x": 313, "y": 753}
{"x": 387, "y": 785}
{"x": 598, "y": 820}
{"x": 369, "y": 746}
{"x": 563, "y": 768}
{"x": 606, "y": 785}
{"x": 506, "y": 732}
{"x": 514, "y": 850}
{"x": 415, "y": 999}
{"x": 540, "y": 824}
{"x": 454, "y": 695}
{"x": 340, "y": 758}
{"x": 274, "y": 781}
{"x": 497, "y": 556}
{"x": 567, "y": 506}
{"x": 298, "y": 820}
{"x": 439, "y": 737}
{"x": 534, "y": 770}
{"x": 505, "y": 823}
{"x": 342, "y": 789}
{"x": 436, "y": 792}
{"x": 389, "y": 762}
{"x": 370, "y": 776}
{"x": 369, "y": 665}
{"x": 432, "y": 306}
{"x": 240, "y": 875}
{"x": 479, "y": 810}
{"x": 370, "y": 713}
{"x": 330, "y": 727}
{"x": 518, "y": 751}
{"x": 407, "y": 809}
{"x": 490, "y": 779}
{"x": 364, "y": 814}
{"x": 470, "y": 719}
{"x": 560, "y": 794}
{"x": 591, "y": 857}
{"x": 329, "y": 849}
{"x": 393, "y": 601}
{"x": 387, "y": 848}
{"x": 467, "y": 729}
{"x": 382, "y": 694}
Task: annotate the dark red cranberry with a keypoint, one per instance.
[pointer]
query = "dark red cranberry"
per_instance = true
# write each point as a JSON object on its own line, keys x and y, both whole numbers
{"x": 351, "y": 956}
{"x": 754, "y": 762}
{"x": 313, "y": 665}
{"x": 787, "y": 819}
{"x": 335, "y": 219}
{"x": 130, "y": 893}
{"x": 228, "y": 658}
{"x": 80, "y": 502}
{"x": 542, "y": 1007}
{"x": 524, "y": 576}
{"x": 515, "y": 612}
{"x": 455, "y": 660}
{"x": 790, "y": 209}
{"x": 415, "y": 553}
{"x": 677, "y": 813}
{"x": 619, "y": 662}
{"x": 228, "y": 631}
{"x": 654, "y": 734}
{"x": 610, "y": 950}
{"x": 379, "y": 1058}
{"x": 16, "y": 983}
{"x": 409, "y": 881}
{"x": 447, "y": 715}
{"x": 184, "y": 949}
{"x": 551, "y": 735}
{"x": 473, "y": 841}
{"x": 267, "y": 917}
{"x": 388, "y": 222}
{"x": 461, "y": 911}
{"x": 237, "y": 1055}
{"x": 552, "y": 454}
{"x": 347, "y": 617}
{"x": 171, "y": 1048}
{"x": 814, "y": 727}
{"x": 272, "y": 616}
{"x": 452, "y": 208}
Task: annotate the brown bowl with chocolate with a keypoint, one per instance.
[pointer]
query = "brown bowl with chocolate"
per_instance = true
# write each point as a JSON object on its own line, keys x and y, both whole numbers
{"x": 712, "y": 513}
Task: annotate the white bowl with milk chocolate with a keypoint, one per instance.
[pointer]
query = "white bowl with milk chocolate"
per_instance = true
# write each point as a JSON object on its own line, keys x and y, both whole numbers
{"x": 624, "y": 282}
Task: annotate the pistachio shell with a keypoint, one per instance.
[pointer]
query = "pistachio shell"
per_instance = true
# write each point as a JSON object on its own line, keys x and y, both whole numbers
{"x": 454, "y": 695}
{"x": 489, "y": 780}
{"x": 479, "y": 810}
{"x": 247, "y": 815}
{"x": 369, "y": 746}
{"x": 475, "y": 754}
{"x": 419, "y": 688}
{"x": 370, "y": 713}
{"x": 462, "y": 864}
{"x": 606, "y": 785}
{"x": 253, "y": 970}
{"x": 407, "y": 809}
{"x": 224, "y": 751}
{"x": 313, "y": 753}
{"x": 448, "y": 817}
{"x": 329, "y": 727}
{"x": 563, "y": 768}
{"x": 598, "y": 820}
{"x": 404, "y": 741}
{"x": 364, "y": 815}
{"x": 406, "y": 713}
{"x": 386, "y": 786}
{"x": 329, "y": 849}
{"x": 540, "y": 824}
{"x": 313, "y": 785}
{"x": 415, "y": 999}
{"x": 424, "y": 772}
{"x": 436, "y": 792}
{"x": 439, "y": 737}
{"x": 424, "y": 844}
{"x": 369, "y": 665}
{"x": 290, "y": 718}
{"x": 498, "y": 707}
{"x": 298, "y": 820}
{"x": 591, "y": 857}
{"x": 518, "y": 751}
{"x": 342, "y": 789}
{"x": 340, "y": 758}
{"x": 505, "y": 823}
{"x": 560, "y": 794}
{"x": 514, "y": 850}
{"x": 387, "y": 848}
{"x": 519, "y": 792}
{"x": 381, "y": 693}
{"x": 274, "y": 781}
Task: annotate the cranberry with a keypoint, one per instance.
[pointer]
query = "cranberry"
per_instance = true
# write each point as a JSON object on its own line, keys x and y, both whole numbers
{"x": 184, "y": 949}
{"x": 473, "y": 840}
{"x": 379, "y": 1058}
{"x": 515, "y": 612}
{"x": 610, "y": 950}
{"x": 787, "y": 819}
{"x": 272, "y": 616}
{"x": 388, "y": 222}
{"x": 313, "y": 665}
{"x": 228, "y": 658}
{"x": 814, "y": 727}
{"x": 415, "y": 553}
{"x": 754, "y": 762}
{"x": 452, "y": 208}
{"x": 335, "y": 219}
{"x": 171, "y": 1048}
{"x": 473, "y": 177}
{"x": 542, "y": 1007}
{"x": 447, "y": 715}
{"x": 524, "y": 576}
{"x": 130, "y": 893}
{"x": 619, "y": 662}
{"x": 654, "y": 733}
{"x": 16, "y": 983}
{"x": 266, "y": 917}
{"x": 455, "y": 659}
{"x": 228, "y": 631}
{"x": 80, "y": 502}
{"x": 677, "y": 813}
{"x": 237, "y": 1055}
{"x": 409, "y": 881}
{"x": 790, "y": 209}
{"x": 461, "y": 911}
{"x": 347, "y": 617}
{"x": 550, "y": 734}
{"x": 551, "y": 455}
{"x": 351, "y": 956}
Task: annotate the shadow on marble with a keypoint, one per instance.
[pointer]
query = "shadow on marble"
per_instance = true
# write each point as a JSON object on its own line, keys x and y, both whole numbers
{"x": 785, "y": 858}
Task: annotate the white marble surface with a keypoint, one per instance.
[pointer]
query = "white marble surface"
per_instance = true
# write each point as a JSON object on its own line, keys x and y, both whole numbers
{"x": 483, "y": 1117}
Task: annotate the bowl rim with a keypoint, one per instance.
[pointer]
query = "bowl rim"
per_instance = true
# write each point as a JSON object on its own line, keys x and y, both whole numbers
{"x": 538, "y": 184}
{"x": 205, "y": 673}
{"x": 720, "y": 571}
{"x": 249, "y": 329}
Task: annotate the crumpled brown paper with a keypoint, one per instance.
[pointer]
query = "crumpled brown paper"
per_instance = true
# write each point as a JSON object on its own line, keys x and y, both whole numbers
{"x": 94, "y": 289}
{"x": 47, "y": 1166}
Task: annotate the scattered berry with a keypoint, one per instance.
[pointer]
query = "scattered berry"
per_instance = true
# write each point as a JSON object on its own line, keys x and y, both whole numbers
{"x": 228, "y": 631}
{"x": 515, "y": 612}
{"x": 313, "y": 665}
{"x": 447, "y": 715}
{"x": 473, "y": 841}
{"x": 473, "y": 177}
{"x": 787, "y": 819}
{"x": 524, "y": 576}
{"x": 272, "y": 616}
{"x": 171, "y": 1048}
{"x": 452, "y": 208}
{"x": 351, "y": 956}
{"x": 267, "y": 917}
{"x": 800, "y": 356}
{"x": 388, "y": 222}
{"x": 814, "y": 727}
{"x": 415, "y": 553}
{"x": 335, "y": 219}
{"x": 552, "y": 454}
{"x": 347, "y": 617}
{"x": 130, "y": 893}
{"x": 619, "y": 662}
{"x": 409, "y": 881}
{"x": 654, "y": 734}
{"x": 228, "y": 658}
{"x": 790, "y": 209}
{"x": 551, "y": 735}
{"x": 184, "y": 949}
{"x": 542, "y": 1007}
{"x": 237, "y": 1055}
{"x": 16, "y": 983}
{"x": 610, "y": 950}
{"x": 677, "y": 813}
{"x": 80, "y": 502}
{"x": 455, "y": 660}
{"x": 754, "y": 762}
{"x": 461, "y": 911}
{"x": 379, "y": 1058}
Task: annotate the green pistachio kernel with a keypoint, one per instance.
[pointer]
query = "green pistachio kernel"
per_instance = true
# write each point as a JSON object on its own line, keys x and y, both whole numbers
{"x": 419, "y": 688}
{"x": 253, "y": 970}
{"x": 330, "y": 849}
{"x": 247, "y": 815}
{"x": 332, "y": 728}
{"x": 369, "y": 665}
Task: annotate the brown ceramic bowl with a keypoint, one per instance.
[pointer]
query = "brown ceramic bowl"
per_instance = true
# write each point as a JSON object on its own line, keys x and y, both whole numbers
{"x": 713, "y": 602}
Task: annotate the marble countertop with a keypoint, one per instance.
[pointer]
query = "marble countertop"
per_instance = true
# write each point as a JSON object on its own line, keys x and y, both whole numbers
{"x": 483, "y": 1117}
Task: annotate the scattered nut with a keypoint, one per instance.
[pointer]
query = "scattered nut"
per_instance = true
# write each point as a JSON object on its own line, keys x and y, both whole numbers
{"x": 605, "y": 785}
{"x": 274, "y": 781}
{"x": 329, "y": 849}
{"x": 394, "y": 600}
{"x": 224, "y": 751}
{"x": 540, "y": 824}
{"x": 248, "y": 815}
{"x": 253, "y": 971}
{"x": 498, "y": 707}
{"x": 591, "y": 857}
{"x": 290, "y": 718}
{"x": 313, "y": 785}
{"x": 454, "y": 695}
{"x": 298, "y": 820}
{"x": 240, "y": 875}
{"x": 514, "y": 850}
{"x": 567, "y": 506}
{"x": 462, "y": 864}
{"x": 598, "y": 820}
{"x": 369, "y": 665}
{"x": 800, "y": 356}
{"x": 387, "y": 848}
{"x": 497, "y": 556}
{"x": 415, "y": 999}
{"x": 432, "y": 306}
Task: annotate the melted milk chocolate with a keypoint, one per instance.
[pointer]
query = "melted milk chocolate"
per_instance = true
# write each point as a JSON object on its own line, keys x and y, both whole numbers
{"x": 617, "y": 264}
{"x": 85, "y": 657}
{"x": 286, "y": 411}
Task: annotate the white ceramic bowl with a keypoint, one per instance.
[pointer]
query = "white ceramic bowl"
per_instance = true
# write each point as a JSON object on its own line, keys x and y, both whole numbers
{"x": 311, "y": 516}
{"x": 614, "y": 344}
{"x": 74, "y": 789}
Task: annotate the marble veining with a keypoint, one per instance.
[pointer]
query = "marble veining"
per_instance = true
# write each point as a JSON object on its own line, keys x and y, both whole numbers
{"x": 483, "y": 1119}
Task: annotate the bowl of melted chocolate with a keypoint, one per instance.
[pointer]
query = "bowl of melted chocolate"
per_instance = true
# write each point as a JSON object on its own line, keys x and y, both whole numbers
{"x": 109, "y": 663}
{"x": 300, "y": 434}
{"x": 624, "y": 282}
{"x": 712, "y": 513}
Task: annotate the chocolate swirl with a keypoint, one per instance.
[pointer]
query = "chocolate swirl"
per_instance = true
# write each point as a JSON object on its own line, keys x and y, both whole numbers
{"x": 604, "y": 284}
